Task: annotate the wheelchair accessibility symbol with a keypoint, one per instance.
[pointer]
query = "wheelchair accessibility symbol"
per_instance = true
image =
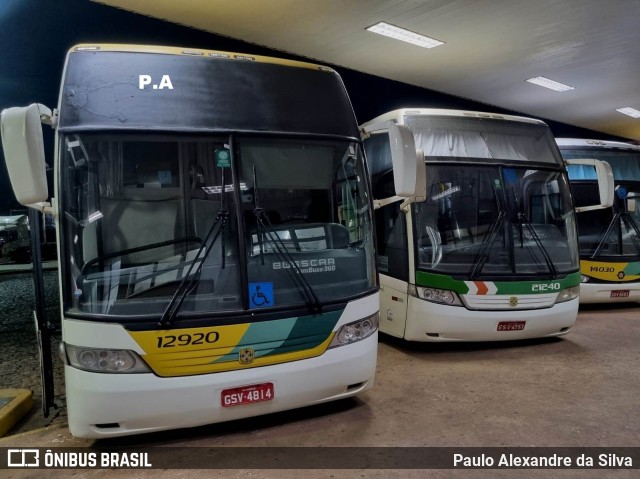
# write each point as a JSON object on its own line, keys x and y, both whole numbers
{"x": 260, "y": 295}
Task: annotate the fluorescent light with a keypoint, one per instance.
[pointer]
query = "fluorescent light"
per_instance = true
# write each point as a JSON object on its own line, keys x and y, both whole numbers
{"x": 401, "y": 34}
{"x": 96, "y": 215}
{"x": 629, "y": 111}
{"x": 551, "y": 84}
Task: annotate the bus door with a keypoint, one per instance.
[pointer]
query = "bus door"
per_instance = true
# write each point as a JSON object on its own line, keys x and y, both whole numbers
{"x": 393, "y": 261}
{"x": 43, "y": 327}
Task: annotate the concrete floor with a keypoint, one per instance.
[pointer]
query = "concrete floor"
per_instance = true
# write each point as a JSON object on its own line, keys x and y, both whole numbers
{"x": 581, "y": 390}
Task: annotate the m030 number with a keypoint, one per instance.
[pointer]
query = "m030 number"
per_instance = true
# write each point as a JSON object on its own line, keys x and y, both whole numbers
{"x": 542, "y": 287}
{"x": 171, "y": 341}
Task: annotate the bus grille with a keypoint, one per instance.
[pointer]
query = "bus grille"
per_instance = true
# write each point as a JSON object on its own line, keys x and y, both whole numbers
{"x": 507, "y": 302}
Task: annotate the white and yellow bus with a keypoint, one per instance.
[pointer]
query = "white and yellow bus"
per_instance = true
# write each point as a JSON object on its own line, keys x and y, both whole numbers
{"x": 215, "y": 235}
{"x": 609, "y": 238}
{"x": 490, "y": 252}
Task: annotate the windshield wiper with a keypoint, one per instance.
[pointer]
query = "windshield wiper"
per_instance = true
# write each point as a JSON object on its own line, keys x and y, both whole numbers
{"x": 628, "y": 221}
{"x": 486, "y": 245}
{"x": 190, "y": 282}
{"x": 263, "y": 223}
{"x": 547, "y": 258}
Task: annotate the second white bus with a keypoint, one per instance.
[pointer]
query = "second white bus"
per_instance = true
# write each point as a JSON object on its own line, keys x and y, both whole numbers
{"x": 490, "y": 253}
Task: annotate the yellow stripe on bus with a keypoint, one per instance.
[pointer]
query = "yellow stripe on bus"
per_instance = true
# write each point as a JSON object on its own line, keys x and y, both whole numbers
{"x": 171, "y": 352}
{"x": 606, "y": 271}
{"x": 160, "y": 342}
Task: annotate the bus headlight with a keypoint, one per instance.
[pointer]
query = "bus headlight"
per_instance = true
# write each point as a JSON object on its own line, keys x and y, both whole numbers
{"x": 434, "y": 295}
{"x": 568, "y": 294}
{"x": 356, "y": 331}
{"x": 104, "y": 360}
{"x": 584, "y": 278}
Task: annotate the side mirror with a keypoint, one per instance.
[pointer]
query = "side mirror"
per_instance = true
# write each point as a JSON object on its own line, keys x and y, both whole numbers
{"x": 24, "y": 152}
{"x": 409, "y": 172}
{"x": 606, "y": 186}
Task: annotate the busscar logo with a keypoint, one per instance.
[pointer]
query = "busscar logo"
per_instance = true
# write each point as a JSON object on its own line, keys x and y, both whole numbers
{"x": 145, "y": 80}
{"x": 23, "y": 458}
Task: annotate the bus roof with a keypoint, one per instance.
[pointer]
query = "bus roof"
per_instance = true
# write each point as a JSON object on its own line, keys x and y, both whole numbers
{"x": 197, "y": 52}
{"x": 400, "y": 114}
{"x": 609, "y": 145}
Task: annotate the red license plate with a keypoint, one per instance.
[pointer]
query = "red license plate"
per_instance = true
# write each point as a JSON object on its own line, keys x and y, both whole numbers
{"x": 247, "y": 395}
{"x": 511, "y": 325}
{"x": 620, "y": 293}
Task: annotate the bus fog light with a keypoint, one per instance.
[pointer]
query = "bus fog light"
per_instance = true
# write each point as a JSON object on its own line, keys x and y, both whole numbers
{"x": 356, "y": 331}
{"x": 568, "y": 294}
{"x": 584, "y": 279}
{"x": 105, "y": 360}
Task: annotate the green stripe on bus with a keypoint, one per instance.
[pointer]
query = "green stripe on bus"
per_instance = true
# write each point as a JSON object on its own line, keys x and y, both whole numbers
{"x": 632, "y": 269}
{"x": 538, "y": 287}
{"x": 285, "y": 335}
{"x": 441, "y": 281}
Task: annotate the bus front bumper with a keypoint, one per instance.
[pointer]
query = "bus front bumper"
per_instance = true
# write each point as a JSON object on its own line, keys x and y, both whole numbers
{"x": 110, "y": 405}
{"x": 609, "y": 293}
{"x": 455, "y": 323}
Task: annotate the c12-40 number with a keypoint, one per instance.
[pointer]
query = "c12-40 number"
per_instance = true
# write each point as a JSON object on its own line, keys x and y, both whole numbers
{"x": 541, "y": 287}
{"x": 171, "y": 341}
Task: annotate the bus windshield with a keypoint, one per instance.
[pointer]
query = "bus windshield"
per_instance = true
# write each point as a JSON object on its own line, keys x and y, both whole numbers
{"x": 243, "y": 215}
{"x": 612, "y": 232}
{"x": 482, "y": 221}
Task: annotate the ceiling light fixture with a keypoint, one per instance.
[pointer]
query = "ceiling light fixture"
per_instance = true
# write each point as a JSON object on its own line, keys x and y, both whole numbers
{"x": 551, "y": 84}
{"x": 401, "y": 34}
{"x": 629, "y": 111}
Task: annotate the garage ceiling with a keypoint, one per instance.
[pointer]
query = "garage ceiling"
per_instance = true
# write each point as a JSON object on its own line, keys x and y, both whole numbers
{"x": 491, "y": 47}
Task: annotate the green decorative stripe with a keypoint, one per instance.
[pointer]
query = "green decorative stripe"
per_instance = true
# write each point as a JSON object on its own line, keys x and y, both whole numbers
{"x": 632, "y": 269}
{"x": 538, "y": 287}
{"x": 441, "y": 281}
{"x": 433, "y": 280}
{"x": 288, "y": 335}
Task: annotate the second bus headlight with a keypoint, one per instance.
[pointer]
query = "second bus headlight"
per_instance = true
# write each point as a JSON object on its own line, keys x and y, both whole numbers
{"x": 568, "y": 294}
{"x": 435, "y": 295}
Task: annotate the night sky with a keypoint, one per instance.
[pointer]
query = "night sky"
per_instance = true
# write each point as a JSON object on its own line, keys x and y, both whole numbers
{"x": 36, "y": 34}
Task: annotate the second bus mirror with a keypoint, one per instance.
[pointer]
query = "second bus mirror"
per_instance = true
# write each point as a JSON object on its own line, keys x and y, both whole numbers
{"x": 409, "y": 174}
{"x": 24, "y": 152}
{"x": 605, "y": 182}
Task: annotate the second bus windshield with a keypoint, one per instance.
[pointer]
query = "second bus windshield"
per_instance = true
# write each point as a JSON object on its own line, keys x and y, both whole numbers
{"x": 487, "y": 221}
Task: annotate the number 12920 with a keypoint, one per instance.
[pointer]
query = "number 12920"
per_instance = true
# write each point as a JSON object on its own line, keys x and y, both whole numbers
{"x": 171, "y": 341}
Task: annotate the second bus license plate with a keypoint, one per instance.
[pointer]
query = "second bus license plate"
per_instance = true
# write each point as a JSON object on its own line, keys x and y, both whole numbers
{"x": 511, "y": 325}
{"x": 247, "y": 394}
